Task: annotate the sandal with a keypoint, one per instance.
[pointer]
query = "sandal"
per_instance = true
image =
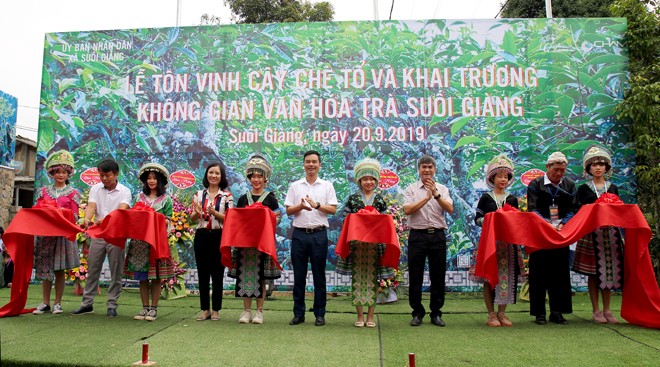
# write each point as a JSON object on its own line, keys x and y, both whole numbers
{"x": 371, "y": 324}
{"x": 359, "y": 323}
{"x": 215, "y": 316}
{"x": 599, "y": 318}
{"x": 492, "y": 320}
{"x": 204, "y": 315}
{"x": 610, "y": 318}
{"x": 504, "y": 321}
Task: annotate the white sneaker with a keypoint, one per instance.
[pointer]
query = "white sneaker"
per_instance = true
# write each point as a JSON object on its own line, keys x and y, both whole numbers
{"x": 245, "y": 317}
{"x": 57, "y": 309}
{"x": 258, "y": 318}
{"x": 151, "y": 315}
{"x": 41, "y": 309}
{"x": 141, "y": 315}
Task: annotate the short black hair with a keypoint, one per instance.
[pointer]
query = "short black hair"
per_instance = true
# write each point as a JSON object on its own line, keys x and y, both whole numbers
{"x": 108, "y": 165}
{"x": 2, "y": 231}
{"x": 310, "y": 152}
{"x": 160, "y": 188}
{"x": 223, "y": 176}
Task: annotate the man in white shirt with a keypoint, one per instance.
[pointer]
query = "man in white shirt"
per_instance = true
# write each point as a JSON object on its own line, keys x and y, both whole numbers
{"x": 104, "y": 197}
{"x": 425, "y": 203}
{"x": 310, "y": 200}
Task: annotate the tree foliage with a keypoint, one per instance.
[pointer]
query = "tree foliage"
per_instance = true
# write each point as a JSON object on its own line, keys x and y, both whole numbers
{"x": 280, "y": 11}
{"x": 560, "y": 9}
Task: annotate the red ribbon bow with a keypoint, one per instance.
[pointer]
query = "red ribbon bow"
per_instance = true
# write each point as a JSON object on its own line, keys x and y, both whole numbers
{"x": 142, "y": 206}
{"x": 609, "y": 198}
{"x": 46, "y": 203}
{"x": 368, "y": 210}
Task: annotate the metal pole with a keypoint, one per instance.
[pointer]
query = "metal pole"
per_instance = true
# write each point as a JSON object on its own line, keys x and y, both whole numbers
{"x": 376, "y": 10}
{"x": 178, "y": 12}
{"x": 548, "y": 9}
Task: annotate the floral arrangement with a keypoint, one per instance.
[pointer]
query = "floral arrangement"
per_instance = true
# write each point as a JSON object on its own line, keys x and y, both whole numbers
{"x": 79, "y": 275}
{"x": 181, "y": 230}
{"x": 395, "y": 209}
{"x": 180, "y": 236}
{"x": 390, "y": 284}
{"x": 175, "y": 287}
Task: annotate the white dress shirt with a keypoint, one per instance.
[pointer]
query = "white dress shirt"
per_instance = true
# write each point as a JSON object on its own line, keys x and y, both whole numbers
{"x": 321, "y": 191}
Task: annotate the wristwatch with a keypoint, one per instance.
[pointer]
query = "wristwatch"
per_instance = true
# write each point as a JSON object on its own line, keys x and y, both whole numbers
{"x": 318, "y": 205}
{"x": 436, "y": 197}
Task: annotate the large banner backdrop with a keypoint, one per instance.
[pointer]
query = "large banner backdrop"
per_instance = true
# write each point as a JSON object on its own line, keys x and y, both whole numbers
{"x": 8, "y": 108}
{"x": 462, "y": 91}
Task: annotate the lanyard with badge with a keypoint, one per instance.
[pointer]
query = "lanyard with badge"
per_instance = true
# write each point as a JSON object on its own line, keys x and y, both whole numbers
{"x": 554, "y": 209}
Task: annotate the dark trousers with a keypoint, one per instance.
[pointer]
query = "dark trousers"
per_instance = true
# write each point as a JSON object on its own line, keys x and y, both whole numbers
{"x": 209, "y": 266}
{"x": 549, "y": 271}
{"x": 312, "y": 248}
{"x": 421, "y": 246}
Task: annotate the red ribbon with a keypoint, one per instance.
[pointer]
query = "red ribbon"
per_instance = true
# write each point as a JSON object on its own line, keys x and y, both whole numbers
{"x": 368, "y": 210}
{"x": 609, "y": 198}
{"x": 257, "y": 205}
{"x": 142, "y": 206}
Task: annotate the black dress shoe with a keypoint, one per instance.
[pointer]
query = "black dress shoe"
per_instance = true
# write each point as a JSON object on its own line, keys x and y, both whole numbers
{"x": 320, "y": 321}
{"x": 437, "y": 320}
{"x": 112, "y": 312}
{"x": 83, "y": 310}
{"x": 416, "y": 321}
{"x": 557, "y": 318}
{"x": 541, "y": 320}
{"x": 297, "y": 320}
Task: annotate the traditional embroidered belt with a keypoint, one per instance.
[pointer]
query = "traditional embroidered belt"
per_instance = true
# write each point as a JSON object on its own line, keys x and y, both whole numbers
{"x": 311, "y": 230}
{"x": 427, "y": 230}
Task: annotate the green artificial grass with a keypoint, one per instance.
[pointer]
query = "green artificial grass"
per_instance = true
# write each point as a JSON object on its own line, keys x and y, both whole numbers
{"x": 177, "y": 339}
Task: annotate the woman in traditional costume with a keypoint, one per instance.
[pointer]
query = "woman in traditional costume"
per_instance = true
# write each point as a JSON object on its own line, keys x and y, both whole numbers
{"x": 209, "y": 208}
{"x": 363, "y": 262}
{"x": 137, "y": 266}
{"x": 250, "y": 267}
{"x": 54, "y": 255}
{"x": 499, "y": 176}
{"x": 599, "y": 255}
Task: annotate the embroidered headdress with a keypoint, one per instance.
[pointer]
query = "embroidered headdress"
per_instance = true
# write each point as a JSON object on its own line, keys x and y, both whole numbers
{"x": 367, "y": 167}
{"x": 596, "y": 154}
{"x": 60, "y": 159}
{"x": 153, "y": 167}
{"x": 501, "y": 163}
{"x": 258, "y": 164}
{"x": 557, "y": 157}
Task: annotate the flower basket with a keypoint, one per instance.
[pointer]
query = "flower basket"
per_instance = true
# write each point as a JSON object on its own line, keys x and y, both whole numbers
{"x": 387, "y": 288}
{"x": 388, "y": 295}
